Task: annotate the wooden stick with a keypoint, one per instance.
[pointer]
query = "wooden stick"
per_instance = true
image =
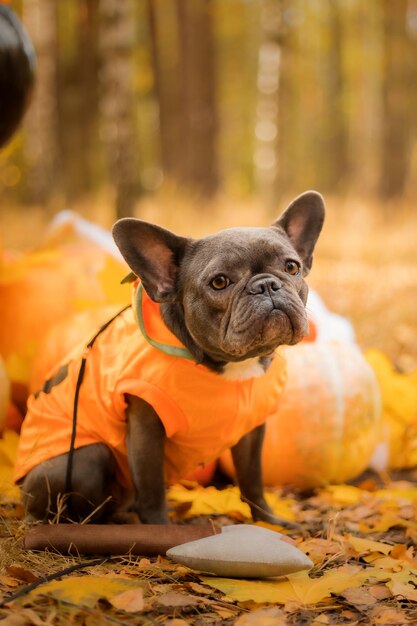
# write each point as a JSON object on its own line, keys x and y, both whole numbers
{"x": 146, "y": 539}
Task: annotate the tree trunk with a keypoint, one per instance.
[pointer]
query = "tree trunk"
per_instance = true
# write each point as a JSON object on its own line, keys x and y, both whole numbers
{"x": 396, "y": 114}
{"x": 336, "y": 146}
{"x": 184, "y": 68}
{"x": 117, "y": 41}
{"x": 198, "y": 91}
{"x": 166, "y": 70}
{"x": 266, "y": 117}
{"x": 78, "y": 102}
{"x": 41, "y": 149}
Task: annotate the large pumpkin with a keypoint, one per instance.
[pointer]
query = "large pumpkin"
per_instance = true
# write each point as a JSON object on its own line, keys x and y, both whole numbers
{"x": 4, "y": 394}
{"x": 42, "y": 287}
{"x": 62, "y": 337}
{"x": 327, "y": 424}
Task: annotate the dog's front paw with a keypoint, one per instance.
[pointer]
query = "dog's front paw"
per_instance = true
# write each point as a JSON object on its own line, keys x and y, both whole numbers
{"x": 262, "y": 512}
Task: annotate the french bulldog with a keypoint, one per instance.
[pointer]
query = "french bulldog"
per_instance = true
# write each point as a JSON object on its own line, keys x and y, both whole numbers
{"x": 230, "y": 298}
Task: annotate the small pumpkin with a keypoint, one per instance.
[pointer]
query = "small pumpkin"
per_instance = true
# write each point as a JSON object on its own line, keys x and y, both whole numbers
{"x": 328, "y": 422}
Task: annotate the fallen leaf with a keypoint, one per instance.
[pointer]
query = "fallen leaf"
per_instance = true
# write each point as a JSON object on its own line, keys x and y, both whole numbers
{"x": 404, "y": 590}
{"x": 223, "y": 611}
{"x": 9, "y": 442}
{"x": 25, "y": 617}
{"x": 211, "y": 501}
{"x": 131, "y": 601}
{"x": 176, "y": 599}
{"x": 199, "y": 589}
{"x": 83, "y": 590}
{"x": 380, "y": 592}
{"x": 298, "y": 587}
{"x": 344, "y": 494}
{"x": 359, "y": 597}
{"x": 176, "y": 622}
{"x": 387, "y": 616}
{"x": 319, "y": 550}
{"x": 401, "y": 552}
{"x": 9, "y": 581}
{"x": 271, "y": 616}
{"x": 366, "y": 546}
{"x": 21, "y": 573}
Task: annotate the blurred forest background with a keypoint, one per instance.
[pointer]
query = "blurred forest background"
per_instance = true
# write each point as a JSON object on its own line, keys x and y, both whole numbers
{"x": 206, "y": 113}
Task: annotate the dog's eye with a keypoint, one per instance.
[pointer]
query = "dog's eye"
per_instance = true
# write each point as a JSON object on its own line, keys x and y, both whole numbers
{"x": 220, "y": 282}
{"x": 291, "y": 267}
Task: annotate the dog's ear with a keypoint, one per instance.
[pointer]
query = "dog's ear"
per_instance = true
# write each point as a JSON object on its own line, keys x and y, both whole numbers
{"x": 153, "y": 253}
{"x": 302, "y": 222}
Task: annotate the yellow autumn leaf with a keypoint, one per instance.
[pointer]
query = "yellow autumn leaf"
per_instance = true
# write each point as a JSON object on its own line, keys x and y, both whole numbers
{"x": 399, "y": 407}
{"x": 9, "y": 442}
{"x": 299, "y": 587}
{"x": 396, "y": 495}
{"x": 366, "y": 546}
{"x": 211, "y": 501}
{"x": 18, "y": 365}
{"x": 386, "y": 521}
{"x": 8, "y": 451}
{"x": 344, "y": 494}
{"x": 110, "y": 277}
{"x": 84, "y": 590}
{"x": 8, "y": 490}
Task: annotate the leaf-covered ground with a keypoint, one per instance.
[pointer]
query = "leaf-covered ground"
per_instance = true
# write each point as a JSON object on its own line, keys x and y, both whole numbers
{"x": 360, "y": 537}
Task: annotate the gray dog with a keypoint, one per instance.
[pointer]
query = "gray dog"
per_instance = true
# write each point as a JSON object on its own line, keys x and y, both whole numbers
{"x": 188, "y": 371}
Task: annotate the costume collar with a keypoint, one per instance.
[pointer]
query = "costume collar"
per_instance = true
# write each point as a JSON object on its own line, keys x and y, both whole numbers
{"x": 152, "y": 326}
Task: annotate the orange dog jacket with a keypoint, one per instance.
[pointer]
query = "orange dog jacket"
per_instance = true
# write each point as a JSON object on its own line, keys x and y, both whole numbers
{"x": 203, "y": 413}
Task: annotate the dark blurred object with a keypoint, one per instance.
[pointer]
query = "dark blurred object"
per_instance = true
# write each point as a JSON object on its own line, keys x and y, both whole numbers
{"x": 17, "y": 73}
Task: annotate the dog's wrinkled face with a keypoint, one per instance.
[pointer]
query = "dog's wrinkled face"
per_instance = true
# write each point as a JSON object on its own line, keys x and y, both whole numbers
{"x": 233, "y": 295}
{"x": 243, "y": 293}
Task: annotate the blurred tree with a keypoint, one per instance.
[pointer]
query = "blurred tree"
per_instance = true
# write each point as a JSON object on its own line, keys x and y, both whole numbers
{"x": 184, "y": 68}
{"x": 266, "y": 115}
{"x": 117, "y": 101}
{"x": 77, "y": 77}
{"x": 41, "y": 145}
{"x": 336, "y": 131}
{"x": 265, "y": 96}
{"x": 397, "y": 106}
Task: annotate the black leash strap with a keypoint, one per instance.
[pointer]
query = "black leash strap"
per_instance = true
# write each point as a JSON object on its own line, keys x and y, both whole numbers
{"x": 70, "y": 462}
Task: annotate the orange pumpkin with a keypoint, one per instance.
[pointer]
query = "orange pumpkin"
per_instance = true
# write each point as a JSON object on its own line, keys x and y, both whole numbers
{"x": 42, "y": 287}
{"x": 4, "y": 394}
{"x": 327, "y": 425}
{"x": 312, "y": 331}
{"x": 203, "y": 475}
{"x": 14, "y": 418}
{"x": 62, "y": 337}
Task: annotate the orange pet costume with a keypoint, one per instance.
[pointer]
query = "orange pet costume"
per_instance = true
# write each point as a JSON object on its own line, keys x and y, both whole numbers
{"x": 203, "y": 413}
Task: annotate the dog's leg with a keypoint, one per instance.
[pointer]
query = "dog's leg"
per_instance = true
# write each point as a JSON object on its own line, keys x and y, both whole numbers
{"x": 145, "y": 449}
{"x": 93, "y": 483}
{"x": 247, "y": 459}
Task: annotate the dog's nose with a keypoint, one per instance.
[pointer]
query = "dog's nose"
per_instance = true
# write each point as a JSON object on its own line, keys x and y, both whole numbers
{"x": 264, "y": 284}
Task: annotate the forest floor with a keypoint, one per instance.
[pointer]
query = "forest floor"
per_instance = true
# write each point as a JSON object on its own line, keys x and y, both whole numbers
{"x": 361, "y": 538}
